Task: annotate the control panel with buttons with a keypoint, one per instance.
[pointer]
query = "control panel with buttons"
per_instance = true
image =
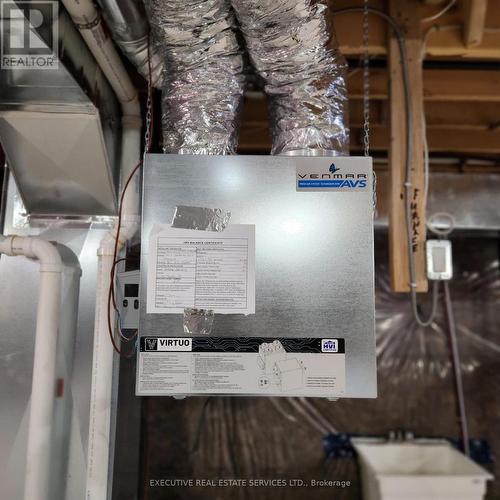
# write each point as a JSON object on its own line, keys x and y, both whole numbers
{"x": 128, "y": 299}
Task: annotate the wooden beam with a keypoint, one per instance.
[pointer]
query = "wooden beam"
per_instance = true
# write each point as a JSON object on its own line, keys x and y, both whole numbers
{"x": 475, "y": 15}
{"x": 461, "y": 85}
{"x": 469, "y": 167}
{"x": 255, "y": 137}
{"x": 439, "y": 85}
{"x": 470, "y": 115}
{"x": 407, "y": 14}
{"x": 447, "y": 42}
{"x": 441, "y": 140}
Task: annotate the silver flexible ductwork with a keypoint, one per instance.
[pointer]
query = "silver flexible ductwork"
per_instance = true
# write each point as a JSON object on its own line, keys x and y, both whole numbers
{"x": 203, "y": 87}
{"x": 128, "y": 24}
{"x": 292, "y": 46}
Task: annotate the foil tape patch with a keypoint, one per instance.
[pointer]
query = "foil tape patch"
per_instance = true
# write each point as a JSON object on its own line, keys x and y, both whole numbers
{"x": 198, "y": 321}
{"x": 205, "y": 219}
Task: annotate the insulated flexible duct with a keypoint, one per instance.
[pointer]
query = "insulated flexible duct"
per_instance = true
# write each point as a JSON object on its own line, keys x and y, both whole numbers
{"x": 203, "y": 87}
{"x": 292, "y": 46}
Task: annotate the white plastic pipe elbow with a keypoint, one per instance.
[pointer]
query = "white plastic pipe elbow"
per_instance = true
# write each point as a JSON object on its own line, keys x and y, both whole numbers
{"x": 38, "y": 455}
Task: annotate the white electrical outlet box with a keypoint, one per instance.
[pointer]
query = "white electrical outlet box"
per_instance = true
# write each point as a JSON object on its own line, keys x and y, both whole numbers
{"x": 439, "y": 260}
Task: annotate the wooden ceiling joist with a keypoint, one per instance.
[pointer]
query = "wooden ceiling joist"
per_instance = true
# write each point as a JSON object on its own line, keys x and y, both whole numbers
{"x": 406, "y": 238}
{"x": 254, "y": 137}
{"x": 475, "y": 16}
{"x": 462, "y": 106}
{"x": 439, "y": 85}
{"x": 448, "y": 41}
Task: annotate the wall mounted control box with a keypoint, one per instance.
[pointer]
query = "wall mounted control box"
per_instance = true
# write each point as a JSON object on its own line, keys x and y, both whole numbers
{"x": 283, "y": 288}
{"x": 128, "y": 299}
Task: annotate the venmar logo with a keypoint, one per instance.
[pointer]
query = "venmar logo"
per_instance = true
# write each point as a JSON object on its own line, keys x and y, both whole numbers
{"x": 332, "y": 177}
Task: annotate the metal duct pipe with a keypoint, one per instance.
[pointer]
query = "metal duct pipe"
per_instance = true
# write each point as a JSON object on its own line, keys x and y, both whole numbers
{"x": 128, "y": 24}
{"x": 293, "y": 48}
{"x": 203, "y": 88}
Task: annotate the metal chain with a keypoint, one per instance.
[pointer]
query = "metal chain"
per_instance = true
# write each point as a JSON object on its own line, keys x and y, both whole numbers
{"x": 366, "y": 81}
{"x": 366, "y": 96}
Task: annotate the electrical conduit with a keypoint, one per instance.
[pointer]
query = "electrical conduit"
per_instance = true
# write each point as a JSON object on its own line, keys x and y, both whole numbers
{"x": 38, "y": 458}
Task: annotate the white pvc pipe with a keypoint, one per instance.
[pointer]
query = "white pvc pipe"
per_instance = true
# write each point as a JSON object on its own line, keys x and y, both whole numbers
{"x": 38, "y": 457}
{"x": 100, "y": 400}
{"x": 63, "y": 407}
{"x": 102, "y": 365}
{"x": 88, "y": 22}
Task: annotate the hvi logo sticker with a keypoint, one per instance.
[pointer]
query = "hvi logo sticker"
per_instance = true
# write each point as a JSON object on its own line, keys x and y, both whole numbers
{"x": 329, "y": 345}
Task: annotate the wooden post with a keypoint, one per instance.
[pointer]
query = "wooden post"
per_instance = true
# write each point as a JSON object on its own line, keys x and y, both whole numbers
{"x": 407, "y": 15}
{"x": 475, "y": 15}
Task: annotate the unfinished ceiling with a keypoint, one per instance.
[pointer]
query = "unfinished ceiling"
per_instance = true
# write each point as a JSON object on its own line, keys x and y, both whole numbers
{"x": 461, "y": 80}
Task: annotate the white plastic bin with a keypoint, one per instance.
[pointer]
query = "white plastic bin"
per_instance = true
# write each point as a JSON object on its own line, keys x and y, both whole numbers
{"x": 418, "y": 470}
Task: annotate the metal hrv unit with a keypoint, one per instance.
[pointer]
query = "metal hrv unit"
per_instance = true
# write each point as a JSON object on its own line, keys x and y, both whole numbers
{"x": 257, "y": 277}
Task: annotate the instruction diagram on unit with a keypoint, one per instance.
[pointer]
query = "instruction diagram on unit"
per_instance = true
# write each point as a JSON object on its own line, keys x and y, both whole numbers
{"x": 279, "y": 369}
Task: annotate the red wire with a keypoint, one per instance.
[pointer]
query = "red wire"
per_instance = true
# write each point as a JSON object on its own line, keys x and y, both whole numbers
{"x": 111, "y": 335}
{"x": 123, "y": 337}
{"x": 149, "y": 145}
{"x": 111, "y": 294}
{"x": 118, "y": 229}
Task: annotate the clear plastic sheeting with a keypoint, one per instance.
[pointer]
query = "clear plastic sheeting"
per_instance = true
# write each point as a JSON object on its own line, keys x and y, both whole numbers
{"x": 206, "y": 219}
{"x": 292, "y": 46}
{"x": 280, "y": 438}
{"x": 203, "y": 87}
